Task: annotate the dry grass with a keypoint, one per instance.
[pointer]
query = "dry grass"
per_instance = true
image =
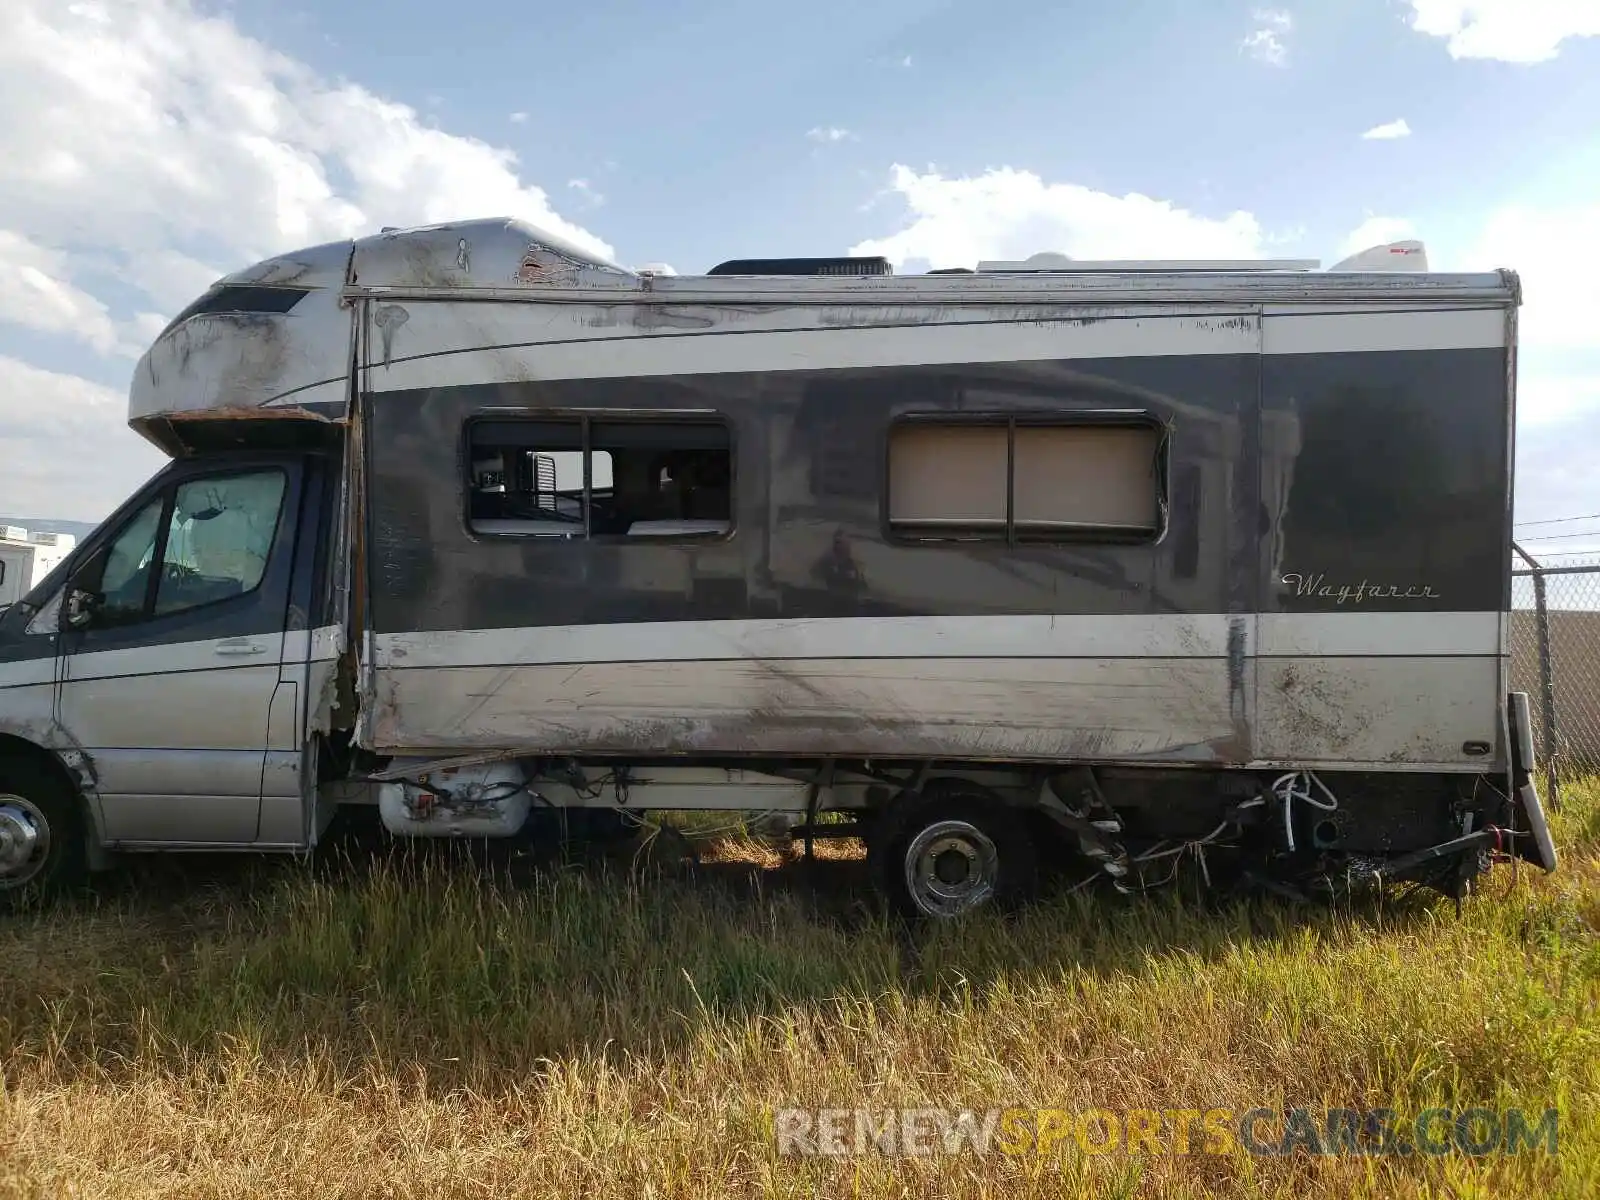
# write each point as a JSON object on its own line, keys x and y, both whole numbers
{"x": 389, "y": 1030}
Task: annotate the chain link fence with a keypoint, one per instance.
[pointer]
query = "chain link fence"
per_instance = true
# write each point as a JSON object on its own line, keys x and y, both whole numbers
{"x": 1555, "y": 658}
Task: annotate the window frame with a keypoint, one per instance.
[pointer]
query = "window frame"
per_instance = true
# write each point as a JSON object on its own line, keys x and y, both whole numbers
{"x": 94, "y": 567}
{"x": 1011, "y": 420}
{"x": 586, "y": 418}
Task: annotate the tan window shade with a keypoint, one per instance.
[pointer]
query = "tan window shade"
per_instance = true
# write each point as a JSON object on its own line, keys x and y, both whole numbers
{"x": 1092, "y": 475}
{"x": 947, "y": 475}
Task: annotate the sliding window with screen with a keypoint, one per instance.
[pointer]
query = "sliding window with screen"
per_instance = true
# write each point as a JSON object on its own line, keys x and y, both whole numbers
{"x": 1058, "y": 477}
{"x": 582, "y": 477}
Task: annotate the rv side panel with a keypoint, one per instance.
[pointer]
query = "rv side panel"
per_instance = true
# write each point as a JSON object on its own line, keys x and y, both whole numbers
{"x": 815, "y": 624}
{"x": 1384, "y": 565}
{"x": 1368, "y": 487}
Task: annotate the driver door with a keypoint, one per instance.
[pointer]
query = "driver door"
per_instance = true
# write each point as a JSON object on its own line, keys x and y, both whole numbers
{"x": 173, "y": 633}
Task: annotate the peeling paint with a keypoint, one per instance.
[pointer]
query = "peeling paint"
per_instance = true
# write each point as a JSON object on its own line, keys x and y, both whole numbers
{"x": 388, "y": 318}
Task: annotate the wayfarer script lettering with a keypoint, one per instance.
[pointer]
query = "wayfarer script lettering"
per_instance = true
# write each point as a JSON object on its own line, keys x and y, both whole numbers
{"x": 1318, "y": 586}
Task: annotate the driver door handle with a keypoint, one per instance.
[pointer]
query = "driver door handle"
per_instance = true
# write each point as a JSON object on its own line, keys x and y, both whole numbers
{"x": 239, "y": 646}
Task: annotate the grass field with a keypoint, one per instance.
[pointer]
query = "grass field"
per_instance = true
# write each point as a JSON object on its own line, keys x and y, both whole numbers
{"x": 384, "y": 1029}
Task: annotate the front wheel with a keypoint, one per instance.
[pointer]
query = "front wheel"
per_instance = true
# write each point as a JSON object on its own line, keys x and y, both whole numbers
{"x": 41, "y": 835}
{"x": 950, "y": 853}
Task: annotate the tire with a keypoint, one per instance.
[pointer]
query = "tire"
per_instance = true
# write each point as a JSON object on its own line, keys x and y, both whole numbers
{"x": 951, "y": 851}
{"x": 42, "y": 851}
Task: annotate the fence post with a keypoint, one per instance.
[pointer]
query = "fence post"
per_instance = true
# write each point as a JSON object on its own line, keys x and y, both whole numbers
{"x": 1547, "y": 688}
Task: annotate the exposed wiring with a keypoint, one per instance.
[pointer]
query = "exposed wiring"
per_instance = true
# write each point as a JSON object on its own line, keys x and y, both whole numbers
{"x": 1193, "y": 846}
{"x": 1297, "y": 785}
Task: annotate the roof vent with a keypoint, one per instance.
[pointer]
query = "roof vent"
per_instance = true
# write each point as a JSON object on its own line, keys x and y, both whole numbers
{"x": 1392, "y": 256}
{"x": 803, "y": 266}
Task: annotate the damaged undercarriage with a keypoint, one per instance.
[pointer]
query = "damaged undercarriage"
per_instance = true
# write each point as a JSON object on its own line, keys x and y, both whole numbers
{"x": 1294, "y": 835}
{"x": 944, "y": 838}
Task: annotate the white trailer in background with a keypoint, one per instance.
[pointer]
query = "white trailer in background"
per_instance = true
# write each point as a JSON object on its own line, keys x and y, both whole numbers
{"x": 25, "y": 559}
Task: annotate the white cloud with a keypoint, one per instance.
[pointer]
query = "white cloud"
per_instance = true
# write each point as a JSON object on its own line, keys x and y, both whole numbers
{"x": 1516, "y": 31}
{"x": 152, "y": 130}
{"x": 1556, "y": 255}
{"x": 1010, "y": 214}
{"x": 906, "y": 61}
{"x": 1388, "y": 131}
{"x": 69, "y": 455}
{"x": 828, "y": 134}
{"x": 1549, "y": 395}
{"x": 150, "y": 148}
{"x": 586, "y": 189}
{"x": 36, "y": 292}
{"x": 518, "y": 118}
{"x": 1268, "y": 41}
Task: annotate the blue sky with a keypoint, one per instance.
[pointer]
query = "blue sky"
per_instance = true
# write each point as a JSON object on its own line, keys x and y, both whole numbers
{"x": 155, "y": 143}
{"x": 691, "y": 119}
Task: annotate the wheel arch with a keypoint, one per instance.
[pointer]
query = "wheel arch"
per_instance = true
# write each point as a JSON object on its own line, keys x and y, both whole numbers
{"x": 15, "y": 748}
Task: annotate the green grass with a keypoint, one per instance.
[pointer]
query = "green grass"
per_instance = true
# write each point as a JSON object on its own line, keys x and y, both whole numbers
{"x": 419, "y": 1030}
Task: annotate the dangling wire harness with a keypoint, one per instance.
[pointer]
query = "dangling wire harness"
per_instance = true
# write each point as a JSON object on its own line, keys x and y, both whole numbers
{"x": 1299, "y": 785}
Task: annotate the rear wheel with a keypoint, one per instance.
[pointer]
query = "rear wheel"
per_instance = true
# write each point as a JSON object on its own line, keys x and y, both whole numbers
{"x": 41, "y": 835}
{"x": 952, "y": 851}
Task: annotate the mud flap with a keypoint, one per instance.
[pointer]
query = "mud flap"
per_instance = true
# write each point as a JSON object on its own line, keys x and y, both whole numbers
{"x": 1533, "y": 842}
{"x": 1537, "y": 847}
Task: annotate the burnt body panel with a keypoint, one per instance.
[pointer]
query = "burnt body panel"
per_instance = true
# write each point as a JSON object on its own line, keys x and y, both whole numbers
{"x": 1379, "y": 469}
{"x": 810, "y": 626}
{"x": 810, "y": 536}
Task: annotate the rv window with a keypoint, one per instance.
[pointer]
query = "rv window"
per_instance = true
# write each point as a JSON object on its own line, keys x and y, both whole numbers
{"x": 643, "y": 478}
{"x": 1026, "y": 480}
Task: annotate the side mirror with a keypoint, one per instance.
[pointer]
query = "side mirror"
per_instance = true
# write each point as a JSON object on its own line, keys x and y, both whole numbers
{"x": 78, "y": 610}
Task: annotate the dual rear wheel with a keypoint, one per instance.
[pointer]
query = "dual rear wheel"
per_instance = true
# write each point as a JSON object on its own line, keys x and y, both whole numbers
{"x": 950, "y": 850}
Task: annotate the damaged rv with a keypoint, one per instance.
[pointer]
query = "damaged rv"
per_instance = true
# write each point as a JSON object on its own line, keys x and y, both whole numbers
{"x": 1124, "y": 564}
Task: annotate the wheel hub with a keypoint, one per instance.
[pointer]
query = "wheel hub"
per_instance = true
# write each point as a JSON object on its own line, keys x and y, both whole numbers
{"x": 24, "y": 841}
{"x": 951, "y": 866}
